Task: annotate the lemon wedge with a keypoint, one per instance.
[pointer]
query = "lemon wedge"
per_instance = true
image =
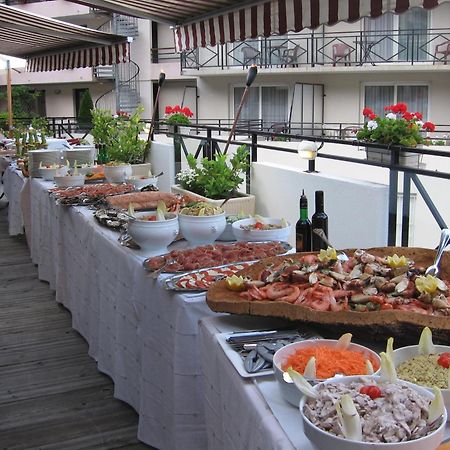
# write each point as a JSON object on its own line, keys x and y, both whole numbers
{"x": 235, "y": 283}
{"x": 427, "y": 284}
{"x": 396, "y": 261}
{"x": 327, "y": 255}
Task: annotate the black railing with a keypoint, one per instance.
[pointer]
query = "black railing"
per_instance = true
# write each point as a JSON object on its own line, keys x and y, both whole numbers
{"x": 209, "y": 139}
{"x": 355, "y": 48}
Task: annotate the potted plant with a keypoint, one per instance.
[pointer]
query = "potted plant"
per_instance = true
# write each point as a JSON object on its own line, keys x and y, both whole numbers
{"x": 177, "y": 115}
{"x": 218, "y": 179}
{"x": 118, "y": 138}
{"x": 398, "y": 127}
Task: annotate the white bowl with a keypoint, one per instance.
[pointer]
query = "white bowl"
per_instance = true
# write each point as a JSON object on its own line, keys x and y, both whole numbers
{"x": 139, "y": 182}
{"x": 279, "y": 234}
{"x": 404, "y": 353}
{"x": 202, "y": 230}
{"x": 288, "y": 390}
{"x": 323, "y": 440}
{"x": 117, "y": 174}
{"x": 69, "y": 181}
{"x": 153, "y": 236}
{"x": 48, "y": 174}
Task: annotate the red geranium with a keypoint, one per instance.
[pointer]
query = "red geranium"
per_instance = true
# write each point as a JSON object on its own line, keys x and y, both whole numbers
{"x": 388, "y": 108}
{"x": 367, "y": 112}
{"x": 176, "y": 109}
{"x": 169, "y": 110}
{"x": 408, "y": 116}
{"x": 418, "y": 115}
{"x": 429, "y": 126}
{"x": 372, "y": 116}
{"x": 399, "y": 108}
{"x": 187, "y": 112}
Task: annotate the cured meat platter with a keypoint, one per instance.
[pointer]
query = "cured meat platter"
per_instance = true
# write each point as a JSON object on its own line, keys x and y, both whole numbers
{"x": 201, "y": 280}
{"x": 404, "y": 321}
{"x": 207, "y": 256}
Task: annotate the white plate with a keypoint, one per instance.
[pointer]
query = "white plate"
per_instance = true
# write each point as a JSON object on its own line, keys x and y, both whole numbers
{"x": 236, "y": 359}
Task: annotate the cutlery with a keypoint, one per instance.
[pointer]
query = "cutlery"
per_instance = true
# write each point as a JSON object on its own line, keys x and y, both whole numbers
{"x": 341, "y": 256}
{"x": 444, "y": 241}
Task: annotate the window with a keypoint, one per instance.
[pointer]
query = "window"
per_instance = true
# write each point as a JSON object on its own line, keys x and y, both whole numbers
{"x": 266, "y": 104}
{"x": 415, "y": 96}
{"x": 77, "y": 95}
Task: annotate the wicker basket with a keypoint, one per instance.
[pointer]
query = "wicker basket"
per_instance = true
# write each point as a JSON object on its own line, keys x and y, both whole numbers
{"x": 244, "y": 204}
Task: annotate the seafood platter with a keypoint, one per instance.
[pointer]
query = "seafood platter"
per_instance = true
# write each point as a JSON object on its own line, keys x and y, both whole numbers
{"x": 88, "y": 194}
{"x": 112, "y": 218}
{"x": 383, "y": 290}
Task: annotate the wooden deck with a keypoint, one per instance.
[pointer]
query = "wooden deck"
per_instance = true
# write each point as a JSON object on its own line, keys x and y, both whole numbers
{"x": 51, "y": 393}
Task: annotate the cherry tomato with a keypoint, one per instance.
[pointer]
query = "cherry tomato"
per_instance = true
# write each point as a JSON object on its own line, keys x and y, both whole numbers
{"x": 444, "y": 360}
{"x": 372, "y": 391}
{"x": 259, "y": 226}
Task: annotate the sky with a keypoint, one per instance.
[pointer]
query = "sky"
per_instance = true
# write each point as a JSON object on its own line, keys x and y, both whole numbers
{"x": 15, "y": 62}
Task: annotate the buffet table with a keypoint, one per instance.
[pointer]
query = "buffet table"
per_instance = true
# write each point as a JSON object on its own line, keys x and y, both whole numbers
{"x": 169, "y": 368}
{"x": 13, "y": 182}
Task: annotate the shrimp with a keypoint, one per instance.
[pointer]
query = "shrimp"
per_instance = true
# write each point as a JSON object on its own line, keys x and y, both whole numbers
{"x": 276, "y": 290}
{"x": 292, "y": 297}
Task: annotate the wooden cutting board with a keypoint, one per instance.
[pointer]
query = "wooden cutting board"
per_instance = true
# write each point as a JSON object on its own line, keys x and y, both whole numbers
{"x": 379, "y": 324}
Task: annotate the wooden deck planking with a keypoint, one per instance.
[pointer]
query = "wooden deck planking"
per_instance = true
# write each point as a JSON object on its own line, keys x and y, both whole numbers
{"x": 51, "y": 394}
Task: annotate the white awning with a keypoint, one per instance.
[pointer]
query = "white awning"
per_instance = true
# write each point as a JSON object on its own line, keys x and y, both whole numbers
{"x": 50, "y": 44}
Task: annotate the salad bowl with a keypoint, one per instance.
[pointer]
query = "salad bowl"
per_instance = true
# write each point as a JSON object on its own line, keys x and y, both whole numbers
{"x": 262, "y": 229}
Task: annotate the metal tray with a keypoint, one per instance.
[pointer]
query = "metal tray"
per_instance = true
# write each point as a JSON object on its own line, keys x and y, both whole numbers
{"x": 286, "y": 246}
{"x": 169, "y": 283}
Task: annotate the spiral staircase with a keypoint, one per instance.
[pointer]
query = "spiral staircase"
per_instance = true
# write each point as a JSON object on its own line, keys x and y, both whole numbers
{"x": 125, "y": 95}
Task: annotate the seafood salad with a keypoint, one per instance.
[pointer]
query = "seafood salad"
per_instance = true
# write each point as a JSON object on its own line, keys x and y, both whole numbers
{"x": 363, "y": 283}
{"x": 389, "y": 411}
{"x": 201, "y": 209}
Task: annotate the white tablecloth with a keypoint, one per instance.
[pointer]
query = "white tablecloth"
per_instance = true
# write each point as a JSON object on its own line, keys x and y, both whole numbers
{"x": 143, "y": 336}
{"x": 13, "y": 182}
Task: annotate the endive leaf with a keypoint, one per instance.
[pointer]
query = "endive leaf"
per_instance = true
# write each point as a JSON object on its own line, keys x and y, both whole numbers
{"x": 387, "y": 371}
{"x": 436, "y": 408}
{"x": 300, "y": 382}
{"x": 131, "y": 210}
{"x": 369, "y": 367}
{"x": 344, "y": 341}
{"x": 390, "y": 348}
{"x": 310, "y": 369}
{"x": 161, "y": 210}
{"x": 349, "y": 418}
{"x": 426, "y": 346}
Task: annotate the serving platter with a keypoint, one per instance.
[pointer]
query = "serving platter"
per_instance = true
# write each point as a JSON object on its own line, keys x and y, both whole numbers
{"x": 163, "y": 263}
{"x": 406, "y": 325}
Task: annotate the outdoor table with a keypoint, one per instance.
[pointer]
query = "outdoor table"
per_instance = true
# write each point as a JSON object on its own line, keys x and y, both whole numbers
{"x": 366, "y": 46}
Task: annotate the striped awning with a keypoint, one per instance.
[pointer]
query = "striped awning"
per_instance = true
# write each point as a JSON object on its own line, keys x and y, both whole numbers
{"x": 267, "y": 18}
{"x": 50, "y": 44}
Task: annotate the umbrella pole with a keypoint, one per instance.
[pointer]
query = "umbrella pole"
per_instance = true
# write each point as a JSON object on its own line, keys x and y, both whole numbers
{"x": 9, "y": 97}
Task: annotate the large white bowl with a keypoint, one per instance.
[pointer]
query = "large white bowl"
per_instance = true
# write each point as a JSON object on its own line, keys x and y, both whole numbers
{"x": 48, "y": 174}
{"x": 280, "y": 234}
{"x": 202, "y": 230}
{"x": 117, "y": 174}
{"x": 139, "y": 182}
{"x": 323, "y": 440}
{"x": 153, "y": 236}
{"x": 69, "y": 181}
{"x": 288, "y": 390}
{"x": 404, "y": 353}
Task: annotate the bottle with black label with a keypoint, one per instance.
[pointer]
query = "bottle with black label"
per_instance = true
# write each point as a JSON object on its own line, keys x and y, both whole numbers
{"x": 320, "y": 222}
{"x": 303, "y": 227}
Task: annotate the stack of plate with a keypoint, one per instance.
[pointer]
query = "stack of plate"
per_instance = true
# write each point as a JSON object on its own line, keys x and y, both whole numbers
{"x": 44, "y": 156}
{"x": 82, "y": 154}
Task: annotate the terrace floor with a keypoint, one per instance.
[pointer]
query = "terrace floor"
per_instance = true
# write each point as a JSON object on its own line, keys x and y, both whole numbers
{"x": 51, "y": 394}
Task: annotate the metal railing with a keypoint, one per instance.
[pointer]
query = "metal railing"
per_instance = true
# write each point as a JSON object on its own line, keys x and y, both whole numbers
{"x": 355, "y": 48}
{"x": 209, "y": 139}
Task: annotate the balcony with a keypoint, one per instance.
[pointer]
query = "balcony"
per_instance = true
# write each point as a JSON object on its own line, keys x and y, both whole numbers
{"x": 318, "y": 49}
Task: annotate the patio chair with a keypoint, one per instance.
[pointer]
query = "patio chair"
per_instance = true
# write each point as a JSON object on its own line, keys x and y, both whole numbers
{"x": 290, "y": 56}
{"x": 250, "y": 55}
{"x": 277, "y": 128}
{"x": 442, "y": 49}
{"x": 341, "y": 53}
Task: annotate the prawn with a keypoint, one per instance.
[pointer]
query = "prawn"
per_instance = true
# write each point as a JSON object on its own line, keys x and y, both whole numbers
{"x": 277, "y": 290}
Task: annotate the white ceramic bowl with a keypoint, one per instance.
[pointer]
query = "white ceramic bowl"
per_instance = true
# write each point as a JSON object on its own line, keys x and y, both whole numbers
{"x": 139, "y": 182}
{"x": 404, "y": 353}
{"x": 48, "y": 174}
{"x": 69, "y": 181}
{"x": 323, "y": 440}
{"x": 202, "y": 230}
{"x": 117, "y": 174}
{"x": 288, "y": 390}
{"x": 153, "y": 236}
{"x": 279, "y": 234}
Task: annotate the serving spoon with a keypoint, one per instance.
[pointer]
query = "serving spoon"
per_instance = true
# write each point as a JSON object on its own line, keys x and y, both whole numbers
{"x": 444, "y": 241}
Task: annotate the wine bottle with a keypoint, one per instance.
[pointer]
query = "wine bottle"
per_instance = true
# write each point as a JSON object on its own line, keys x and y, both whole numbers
{"x": 303, "y": 227}
{"x": 319, "y": 221}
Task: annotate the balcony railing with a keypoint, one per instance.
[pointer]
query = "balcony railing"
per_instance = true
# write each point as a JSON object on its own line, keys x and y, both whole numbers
{"x": 356, "y": 48}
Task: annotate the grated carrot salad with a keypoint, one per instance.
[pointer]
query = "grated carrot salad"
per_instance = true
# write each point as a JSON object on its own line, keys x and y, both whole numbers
{"x": 330, "y": 361}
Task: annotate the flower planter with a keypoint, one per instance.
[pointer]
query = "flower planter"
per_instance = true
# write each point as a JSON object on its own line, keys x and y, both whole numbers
{"x": 384, "y": 156}
{"x": 245, "y": 203}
